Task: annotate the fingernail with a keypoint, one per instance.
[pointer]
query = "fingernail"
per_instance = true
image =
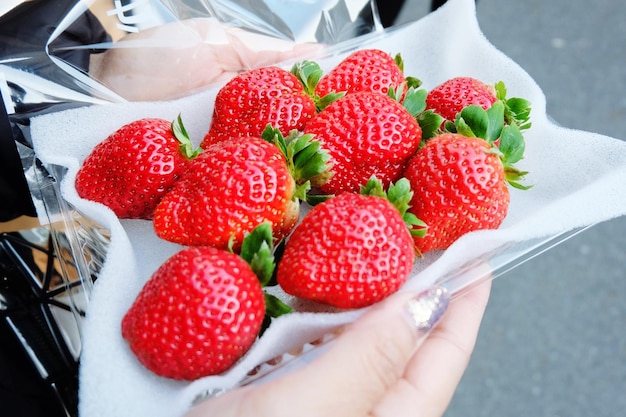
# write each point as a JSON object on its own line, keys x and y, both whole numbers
{"x": 426, "y": 308}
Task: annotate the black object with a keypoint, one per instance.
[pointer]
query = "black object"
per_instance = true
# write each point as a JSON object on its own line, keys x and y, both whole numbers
{"x": 38, "y": 373}
{"x": 435, "y": 4}
{"x": 25, "y": 31}
{"x": 15, "y": 198}
{"x": 389, "y": 11}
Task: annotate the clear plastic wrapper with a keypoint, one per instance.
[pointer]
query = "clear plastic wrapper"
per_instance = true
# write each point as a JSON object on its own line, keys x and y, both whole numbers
{"x": 63, "y": 64}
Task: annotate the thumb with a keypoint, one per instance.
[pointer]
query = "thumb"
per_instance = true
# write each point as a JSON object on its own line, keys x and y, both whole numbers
{"x": 367, "y": 358}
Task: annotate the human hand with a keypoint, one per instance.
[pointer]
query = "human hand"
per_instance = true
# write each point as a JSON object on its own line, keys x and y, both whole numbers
{"x": 175, "y": 59}
{"x": 381, "y": 365}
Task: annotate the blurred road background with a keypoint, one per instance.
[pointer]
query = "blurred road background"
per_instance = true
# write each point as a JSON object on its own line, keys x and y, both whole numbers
{"x": 553, "y": 341}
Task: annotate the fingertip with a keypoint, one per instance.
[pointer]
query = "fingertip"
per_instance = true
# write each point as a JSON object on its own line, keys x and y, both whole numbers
{"x": 434, "y": 373}
{"x": 369, "y": 356}
{"x": 427, "y": 308}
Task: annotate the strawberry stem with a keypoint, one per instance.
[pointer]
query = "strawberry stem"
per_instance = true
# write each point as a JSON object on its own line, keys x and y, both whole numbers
{"x": 516, "y": 110}
{"x": 429, "y": 122}
{"x": 180, "y": 133}
{"x": 307, "y": 160}
{"x": 257, "y": 250}
{"x": 274, "y": 307}
{"x": 410, "y": 81}
{"x": 309, "y": 74}
{"x": 414, "y": 100}
{"x": 512, "y": 144}
{"x": 399, "y": 194}
{"x": 506, "y": 140}
{"x": 399, "y": 61}
{"x": 413, "y": 82}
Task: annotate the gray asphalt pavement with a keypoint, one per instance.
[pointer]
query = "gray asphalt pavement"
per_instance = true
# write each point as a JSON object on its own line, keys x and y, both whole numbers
{"x": 553, "y": 341}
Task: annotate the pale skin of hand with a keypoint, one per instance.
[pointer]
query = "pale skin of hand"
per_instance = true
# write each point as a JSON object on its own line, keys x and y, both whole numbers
{"x": 176, "y": 59}
{"x": 377, "y": 367}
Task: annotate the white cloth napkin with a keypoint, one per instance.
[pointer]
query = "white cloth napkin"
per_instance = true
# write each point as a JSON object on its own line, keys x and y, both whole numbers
{"x": 579, "y": 177}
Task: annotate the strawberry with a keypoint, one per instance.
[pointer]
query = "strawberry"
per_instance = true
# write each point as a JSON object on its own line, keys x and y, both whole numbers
{"x": 453, "y": 95}
{"x": 352, "y": 250}
{"x": 135, "y": 166}
{"x": 365, "y": 134}
{"x": 201, "y": 310}
{"x": 364, "y": 70}
{"x": 237, "y": 184}
{"x": 460, "y": 180}
{"x": 253, "y": 99}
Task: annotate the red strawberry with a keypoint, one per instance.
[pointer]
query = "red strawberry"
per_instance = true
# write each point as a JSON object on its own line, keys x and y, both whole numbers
{"x": 256, "y": 98}
{"x": 237, "y": 184}
{"x": 460, "y": 182}
{"x": 459, "y": 187}
{"x": 453, "y": 95}
{"x": 365, "y": 134}
{"x": 200, "y": 312}
{"x": 351, "y": 250}
{"x": 364, "y": 70}
{"x": 135, "y": 166}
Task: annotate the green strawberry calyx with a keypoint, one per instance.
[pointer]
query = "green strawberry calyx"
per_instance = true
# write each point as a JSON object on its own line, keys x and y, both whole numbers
{"x": 258, "y": 251}
{"x": 505, "y": 140}
{"x": 516, "y": 109}
{"x": 414, "y": 101}
{"x": 186, "y": 146}
{"x": 399, "y": 194}
{"x": 409, "y": 80}
{"x": 307, "y": 160}
{"x": 309, "y": 74}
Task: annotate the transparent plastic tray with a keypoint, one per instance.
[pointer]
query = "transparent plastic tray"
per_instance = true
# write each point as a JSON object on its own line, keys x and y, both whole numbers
{"x": 80, "y": 248}
{"x": 81, "y": 245}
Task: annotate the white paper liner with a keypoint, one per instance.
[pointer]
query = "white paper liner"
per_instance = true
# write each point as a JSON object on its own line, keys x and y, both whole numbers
{"x": 579, "y": 177}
